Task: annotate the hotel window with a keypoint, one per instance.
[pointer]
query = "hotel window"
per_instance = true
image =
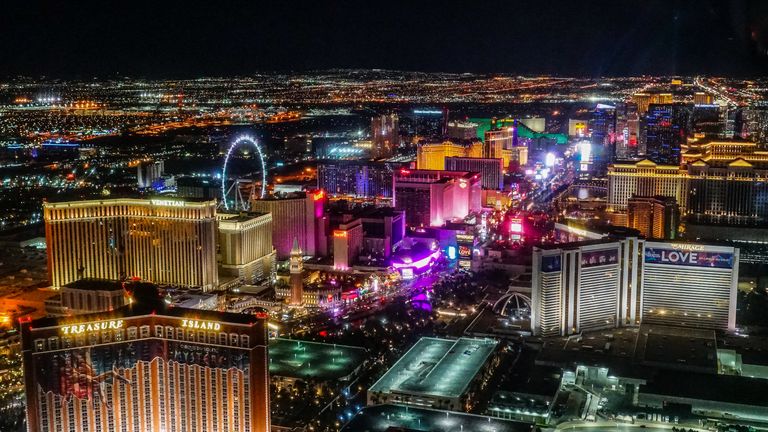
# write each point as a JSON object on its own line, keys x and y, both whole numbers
{"x": 119, "y": 335}
{"x": 144, "y": 331}
{"x": 106, "y": 337}
{"x": 180, "y": 334}
{"x": 39, "y": 344}
{"x": 93, "y": 339}
{"x": 245, "y": 341}
{"x": 53, "y": 343}
{"x": 190, "y": 335}
{"x": 158, "y": 331}
{"x": 132, "y": 332}
{"x": 212, "y": 338}
{"x": 201, "y": 336}
{"x": 168, "y": 332}
{"x": 233, "y": 339}
{"x": 66, "y": 341}
{"x": 222, "y": 338}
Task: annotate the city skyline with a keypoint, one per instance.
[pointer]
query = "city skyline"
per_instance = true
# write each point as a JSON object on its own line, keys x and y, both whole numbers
{"x": 423, "y": 216}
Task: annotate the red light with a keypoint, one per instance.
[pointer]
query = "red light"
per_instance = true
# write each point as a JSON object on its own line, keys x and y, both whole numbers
{"x": 404, "y": 171}
{"x": 70, "y": 176}
{"x": 261, "y": 315}
{"x": 323, "y": 333}
{"x": 318, "y": 195}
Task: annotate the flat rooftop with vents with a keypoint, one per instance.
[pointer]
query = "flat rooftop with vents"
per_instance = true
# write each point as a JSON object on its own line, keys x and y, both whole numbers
{"x": 386, "y": 418}
{"x": 434, "y": 373}
{"x": 301, "y": 360}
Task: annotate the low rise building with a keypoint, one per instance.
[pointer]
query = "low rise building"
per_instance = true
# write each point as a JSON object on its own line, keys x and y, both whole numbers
{"x": 437, "y": 373}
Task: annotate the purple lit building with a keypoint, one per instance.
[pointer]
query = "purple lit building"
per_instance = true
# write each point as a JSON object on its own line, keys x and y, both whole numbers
{"x": 299, "y": 215}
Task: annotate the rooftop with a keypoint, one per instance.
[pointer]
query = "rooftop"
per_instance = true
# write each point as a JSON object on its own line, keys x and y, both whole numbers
{"x": 710, "y": 387}
{"x": 382, "y": 418}
{"x": 240, "y": 217}
{"x": 63, "y": 202}
{"x": 138, "y": 310}
{"x": 438, "y": 367}
{"x": 302, "y": 359}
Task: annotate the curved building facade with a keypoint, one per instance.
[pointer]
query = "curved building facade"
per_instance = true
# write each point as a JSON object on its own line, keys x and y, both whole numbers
{"x": 168, "y": 242}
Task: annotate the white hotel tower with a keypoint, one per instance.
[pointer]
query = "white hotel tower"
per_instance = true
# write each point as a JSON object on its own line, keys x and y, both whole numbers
{"x": 607, "y": 283}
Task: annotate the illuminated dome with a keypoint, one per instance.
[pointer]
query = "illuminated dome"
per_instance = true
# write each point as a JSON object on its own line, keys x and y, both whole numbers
{"x": 513, "y": 305}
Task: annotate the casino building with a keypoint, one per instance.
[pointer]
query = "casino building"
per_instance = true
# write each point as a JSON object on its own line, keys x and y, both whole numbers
{"x": 615, "y": 282}
{"x": 245, "y": 246}
{"x": 576, "y": 287}
{"x": 432, "y": 197}
{"x": 689, "y": 284}
{"x": 147, "y": 369}
{"x": 123, "y": 238}
{"x": 297, "y": 215}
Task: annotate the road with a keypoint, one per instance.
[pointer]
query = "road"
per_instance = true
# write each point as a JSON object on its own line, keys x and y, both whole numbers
{"x": 618, "y": 427}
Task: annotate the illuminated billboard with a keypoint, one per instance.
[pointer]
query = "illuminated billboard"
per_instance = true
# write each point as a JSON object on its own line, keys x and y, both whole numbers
{"x": 688, "y": 257}
{"x": 599, "y": 258}
{"x": 551, "y": 263}
{"x": 90, "y": 373}
{"x": 467, "y": 239}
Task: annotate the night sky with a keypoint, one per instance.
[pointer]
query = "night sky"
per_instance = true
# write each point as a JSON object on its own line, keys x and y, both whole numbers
{"x": 166, "y": 38}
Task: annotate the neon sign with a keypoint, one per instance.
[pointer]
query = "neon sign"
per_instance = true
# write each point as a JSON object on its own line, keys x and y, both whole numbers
{"x": 92, "y": 327}
{"x": 689, "y": 258}
{"x": 689, "y": 247}
{"x": 201, "y": 325}
{"x": 167, "y": 203}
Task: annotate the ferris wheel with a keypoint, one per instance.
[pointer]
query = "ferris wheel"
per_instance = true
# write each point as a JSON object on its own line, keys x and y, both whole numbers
{"x": 237, "y": 192}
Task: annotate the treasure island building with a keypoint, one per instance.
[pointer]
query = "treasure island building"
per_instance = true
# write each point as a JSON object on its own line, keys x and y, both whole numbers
{"x": 147, "y": 369}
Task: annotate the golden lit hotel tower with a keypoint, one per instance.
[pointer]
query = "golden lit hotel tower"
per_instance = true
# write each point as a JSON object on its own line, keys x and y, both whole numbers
{"x": 245, "y": 246}
{"x": 646, "y": 178}
{"x": 432, "y": 156}
{"x": 165, "y": 241}
{"x": 499, "y": 144}
{"x": 297, "y": 275}
{"x": 147, "y": 369}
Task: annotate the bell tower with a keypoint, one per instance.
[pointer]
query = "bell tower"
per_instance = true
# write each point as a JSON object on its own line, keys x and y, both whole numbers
{"x": 297, "y": 278}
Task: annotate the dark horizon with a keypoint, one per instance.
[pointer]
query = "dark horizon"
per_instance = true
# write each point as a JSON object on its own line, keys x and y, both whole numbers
{"x": 558, "y": 38}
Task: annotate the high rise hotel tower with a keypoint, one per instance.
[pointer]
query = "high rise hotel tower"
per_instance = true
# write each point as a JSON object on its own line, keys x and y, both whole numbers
{"x": 616, "y": 282}
{"x": 147, "y": 369}
{"x": 165, "y": 241}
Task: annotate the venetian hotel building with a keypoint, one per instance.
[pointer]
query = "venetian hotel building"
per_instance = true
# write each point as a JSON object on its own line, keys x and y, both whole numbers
{"x": 140, "y": 369}
{"x": 166, "y": 241}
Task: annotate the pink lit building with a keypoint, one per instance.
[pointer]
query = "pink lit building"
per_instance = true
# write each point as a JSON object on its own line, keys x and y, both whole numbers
{"x": 432, "y": 197}
{"x": 298, "y": 215}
